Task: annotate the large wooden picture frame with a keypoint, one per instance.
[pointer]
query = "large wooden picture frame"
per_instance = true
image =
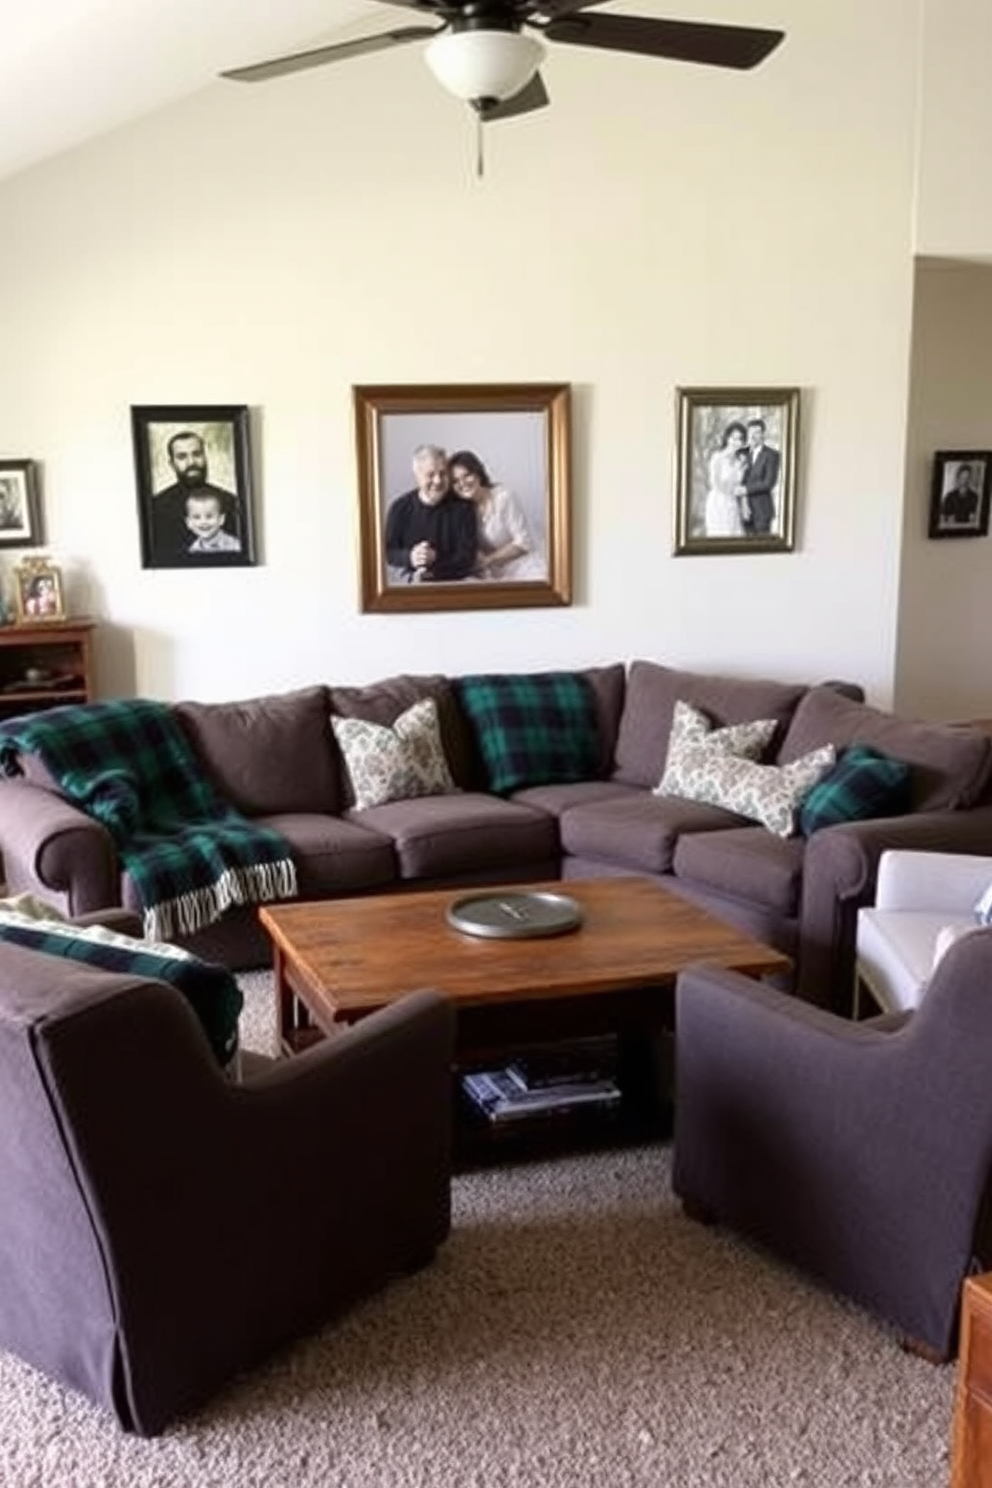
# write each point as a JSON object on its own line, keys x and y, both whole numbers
{"x": 736, "y": 461}
{"x": 194, "y": 481}
{"x": 464, "y": 498}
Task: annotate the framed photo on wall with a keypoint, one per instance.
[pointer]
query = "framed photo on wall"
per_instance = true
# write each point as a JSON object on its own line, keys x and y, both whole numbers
{"x": 464, "y": 497}
{"x": 959, "y": 493}
{"x": 193, "y": 473}
{"x": 38, "y": 591}
{"x": 736, "y": 462}
{"x": 20, "y": 505}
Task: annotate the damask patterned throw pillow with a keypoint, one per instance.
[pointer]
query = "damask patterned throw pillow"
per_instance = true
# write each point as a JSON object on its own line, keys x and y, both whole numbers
{"x": 769, "y": 794}
{"x": 691, "y": 729}
{"x": 394, "y": 763}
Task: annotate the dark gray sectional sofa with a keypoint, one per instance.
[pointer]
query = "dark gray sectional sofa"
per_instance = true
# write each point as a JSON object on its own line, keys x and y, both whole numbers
{"x": 277, "y": 760}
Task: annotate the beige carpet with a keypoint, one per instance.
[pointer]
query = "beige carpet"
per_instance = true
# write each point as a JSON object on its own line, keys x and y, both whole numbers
{"x": 575, "y": 1330}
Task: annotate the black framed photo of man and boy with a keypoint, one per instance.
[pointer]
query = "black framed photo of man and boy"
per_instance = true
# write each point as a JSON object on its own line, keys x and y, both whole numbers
{"x": 464, "y": 496}
{"x": 194, "y": 485}
{"x": 959, "y": 493}
{"x": 20, "y": 505}
{"x": 736, "y": 460}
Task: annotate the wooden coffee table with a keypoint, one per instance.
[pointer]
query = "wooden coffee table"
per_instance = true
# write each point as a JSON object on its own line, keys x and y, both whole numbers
{"x": 336, "y": 961}
{"x": 339, "y": 960}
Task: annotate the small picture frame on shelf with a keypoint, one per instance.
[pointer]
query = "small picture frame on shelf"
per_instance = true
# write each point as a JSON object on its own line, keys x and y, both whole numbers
{"x": 20, "y": 506}
{"x": 38, "y": 592}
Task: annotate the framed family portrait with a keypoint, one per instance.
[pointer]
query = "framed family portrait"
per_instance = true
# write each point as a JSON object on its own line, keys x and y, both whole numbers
{"x": 959, "y": 493}
{"x": 464, "y": 496}
{"x": 20, "y": 505}
{"x": 736, "y": 461}
{"x": 38, "y": 591}
{"x": 194, "y": 485}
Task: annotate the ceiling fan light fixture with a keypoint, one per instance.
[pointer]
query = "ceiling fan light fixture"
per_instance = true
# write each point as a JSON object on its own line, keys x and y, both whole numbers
{"x": 478, "y": 64}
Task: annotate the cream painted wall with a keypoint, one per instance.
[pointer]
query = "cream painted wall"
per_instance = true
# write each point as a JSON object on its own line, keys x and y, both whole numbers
{"x": 945, "y": 609}
{"x": 658, "y": 225}
{"x": 954, "y": 215}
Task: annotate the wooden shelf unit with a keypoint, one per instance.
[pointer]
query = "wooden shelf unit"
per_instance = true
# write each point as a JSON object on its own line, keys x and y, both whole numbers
{"x": 61, "y": 649}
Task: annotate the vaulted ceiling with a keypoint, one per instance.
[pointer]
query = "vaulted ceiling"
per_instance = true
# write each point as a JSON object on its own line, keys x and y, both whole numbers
{"x": 72, "y": 69}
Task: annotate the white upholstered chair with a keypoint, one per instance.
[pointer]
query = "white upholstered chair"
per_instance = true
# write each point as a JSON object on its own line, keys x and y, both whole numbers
{"x": 923, "y": 902}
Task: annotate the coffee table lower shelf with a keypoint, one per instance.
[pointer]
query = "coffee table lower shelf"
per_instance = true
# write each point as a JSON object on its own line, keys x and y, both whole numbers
{"x": 480, "y": 1143}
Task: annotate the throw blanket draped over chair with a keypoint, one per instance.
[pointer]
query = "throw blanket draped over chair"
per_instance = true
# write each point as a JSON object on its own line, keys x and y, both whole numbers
{"x": 128, "y": 764}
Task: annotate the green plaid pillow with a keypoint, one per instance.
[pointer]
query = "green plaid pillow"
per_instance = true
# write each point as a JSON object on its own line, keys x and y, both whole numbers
{"x": 532, "y": 729}
{"x": 863, "y": 784}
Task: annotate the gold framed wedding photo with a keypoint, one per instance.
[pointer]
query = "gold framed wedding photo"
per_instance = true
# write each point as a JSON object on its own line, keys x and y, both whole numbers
{"x": 464, "y": 496}
{"x": 736, "y": 462}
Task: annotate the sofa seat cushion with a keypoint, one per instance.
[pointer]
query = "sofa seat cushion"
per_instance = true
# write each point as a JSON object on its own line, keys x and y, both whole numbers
{"x": 269, "y": 754}
{"x": 557, "y": 799}
{"x": 951, "y": 762}
{"x": 331, "y": 855}
{"x": 746, "y": 862}
{"x": 649, "y": 705}
{"x": 638, "y": 831}
{"x": 459, "y": 835}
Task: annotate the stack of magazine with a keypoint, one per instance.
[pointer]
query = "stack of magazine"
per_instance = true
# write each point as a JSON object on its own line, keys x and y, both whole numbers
{"x": 542, "y": 1084}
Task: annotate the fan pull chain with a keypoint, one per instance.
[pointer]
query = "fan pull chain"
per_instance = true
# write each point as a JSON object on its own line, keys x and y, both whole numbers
{"x": 480, "y": 153}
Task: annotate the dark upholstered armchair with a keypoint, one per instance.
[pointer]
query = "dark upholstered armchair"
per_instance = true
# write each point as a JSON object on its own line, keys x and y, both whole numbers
{"x": 859, "y": 1151}
{"x": 161, "y": 1228}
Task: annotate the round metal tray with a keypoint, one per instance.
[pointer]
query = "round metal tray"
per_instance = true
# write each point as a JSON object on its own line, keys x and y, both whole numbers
{"x": 515, "y": 916}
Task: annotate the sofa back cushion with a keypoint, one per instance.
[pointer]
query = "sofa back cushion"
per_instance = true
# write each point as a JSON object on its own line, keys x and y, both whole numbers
{"x": 950, "y": 762}
{"x": 608, "y": 685}
{"x": 649, "y": 704}
{"x": 268, "y": 755}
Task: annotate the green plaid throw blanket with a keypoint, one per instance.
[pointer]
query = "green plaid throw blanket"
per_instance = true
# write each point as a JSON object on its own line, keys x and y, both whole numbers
{"x": 128, "y": 764}
{"x": 211, "y": 990}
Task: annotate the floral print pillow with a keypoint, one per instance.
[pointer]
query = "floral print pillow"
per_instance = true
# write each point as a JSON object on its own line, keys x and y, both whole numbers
{"x": 769, "y": 794}
{"x": 691, "y": 727}
{"x": 394, "y": 763}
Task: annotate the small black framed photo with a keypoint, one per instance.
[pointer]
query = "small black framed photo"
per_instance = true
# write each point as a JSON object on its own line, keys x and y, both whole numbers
{"x": 959, "y": 493}
{"x": 464, "y": 496}
{"x": 194, "y": 482}
{"x": 20, "y": 505}
{"x": 736, "y": 463}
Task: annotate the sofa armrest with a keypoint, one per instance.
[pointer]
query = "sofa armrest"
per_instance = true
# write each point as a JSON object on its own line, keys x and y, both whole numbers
{"x": 840, "y": 869}
{"x": 50, "y": 847}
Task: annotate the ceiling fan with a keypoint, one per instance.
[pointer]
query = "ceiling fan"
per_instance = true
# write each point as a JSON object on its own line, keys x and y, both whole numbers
{"x": 480, "y": 53}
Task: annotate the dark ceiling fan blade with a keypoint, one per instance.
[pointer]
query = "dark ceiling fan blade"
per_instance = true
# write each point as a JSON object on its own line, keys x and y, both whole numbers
{"x": 532, "y": 95}
{"x": 682, "y": 41}
{"x": 299, "y": 61}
